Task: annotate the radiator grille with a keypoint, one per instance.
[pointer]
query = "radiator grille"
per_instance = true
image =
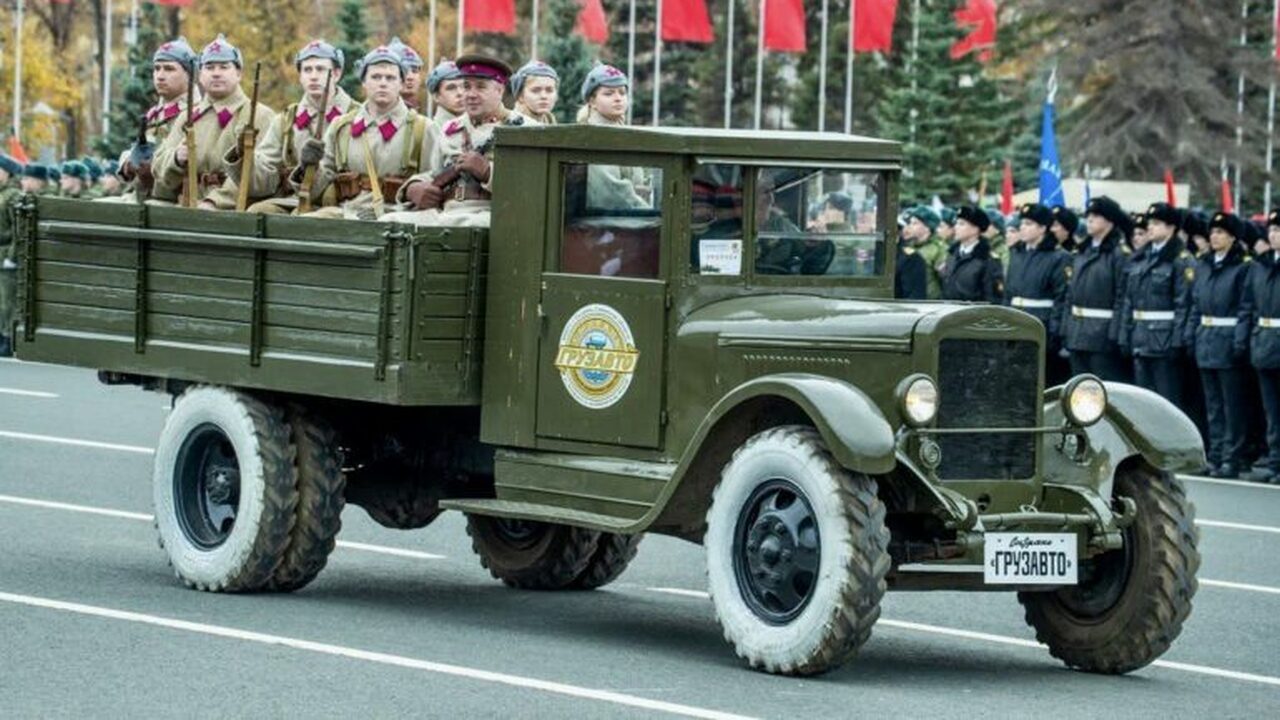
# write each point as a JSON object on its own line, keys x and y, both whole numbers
{"x": 988, "y": 384}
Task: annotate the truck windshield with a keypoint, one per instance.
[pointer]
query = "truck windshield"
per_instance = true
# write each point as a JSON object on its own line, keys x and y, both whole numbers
{"x": 808, "y": 221}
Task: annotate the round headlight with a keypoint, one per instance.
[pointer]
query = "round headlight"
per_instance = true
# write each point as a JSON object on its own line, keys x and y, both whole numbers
{"x": 918, "y": 400}
{"x": 1084, "y": 400}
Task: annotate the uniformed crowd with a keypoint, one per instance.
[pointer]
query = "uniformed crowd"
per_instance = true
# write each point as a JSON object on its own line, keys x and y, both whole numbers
{"x": 1182, "y": 303}
{"x": 206, "y": 143}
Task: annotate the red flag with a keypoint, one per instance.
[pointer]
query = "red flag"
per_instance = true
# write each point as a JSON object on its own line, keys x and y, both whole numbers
{"x": 17, "y": 151}
{"x": 873, "y": 25}
{"x": 1171, "y": 196}
{"x": 1227, "y": 205}
{"x": 686, "y": 21}
{"x": 495, "y": 16}
{"x": 1006, "y": 190}
{"x": 979, "y": 18}
{"x": 591, "y": 22}
{"x": 784, "y": 25}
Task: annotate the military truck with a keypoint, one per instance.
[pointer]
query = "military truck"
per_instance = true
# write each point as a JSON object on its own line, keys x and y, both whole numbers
{"x": 679, "y": 331}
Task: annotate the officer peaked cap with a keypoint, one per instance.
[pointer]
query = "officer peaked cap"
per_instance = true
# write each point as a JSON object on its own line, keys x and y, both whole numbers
{"x": 975, "y": 216}
{"x": 36, "y": 170}
{"x": 947, "y": 215}
{"x": 1108, "y": 209}
{"x": 1066, "y": 218}
{"x": 1165, "y": 213}
{"x": 8, "y": 164}
{"x": 221, "y": 51}
{"x": 320, "y": 50}
{"x": 926, "y": 215}
{"x": 483, "y": 66}
{"x": 1231, "y": 223}
{"x": 1038, "y": 214}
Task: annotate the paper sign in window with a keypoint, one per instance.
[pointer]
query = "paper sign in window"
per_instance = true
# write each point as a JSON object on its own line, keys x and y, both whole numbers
{"x": 720, "y": 257}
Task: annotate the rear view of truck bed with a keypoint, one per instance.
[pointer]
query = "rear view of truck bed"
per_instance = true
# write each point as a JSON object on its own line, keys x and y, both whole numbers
{"x": 340, "y": 309}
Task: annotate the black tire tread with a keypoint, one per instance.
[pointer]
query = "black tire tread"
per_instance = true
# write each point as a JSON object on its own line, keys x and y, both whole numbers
{"x": 562, "y": 561}
{"x": 614, "y": 552}
{"x": 321, "y": 486}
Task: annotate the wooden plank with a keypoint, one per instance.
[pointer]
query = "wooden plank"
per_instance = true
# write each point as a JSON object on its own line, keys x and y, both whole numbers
{"x": 200, "y": 286}
{"x": 112, "y": 254}
{"x": 198, "y": 307}
{"x": 237, "y": 264}
{"x": 315, "y": 318}
{"x": 453, "y": 306}
{"x": 440, "y": 328}
{"x": 72, "y": 294}
{"x": 81, "y": 274}
{"x": 438, "y": 351}
{"x": 442, "y": 284}
{"x": 346, "y": 277}
{"x": 179, "y": 327}
{"x": 79, "y": 317}
{"x": 447, "y": 262}
{"x": 324, "y": 343}
{"x": 307, "y": 297}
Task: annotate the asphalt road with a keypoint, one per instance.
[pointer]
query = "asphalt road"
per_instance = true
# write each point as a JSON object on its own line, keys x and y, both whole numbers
{"x": 407, "y": 623}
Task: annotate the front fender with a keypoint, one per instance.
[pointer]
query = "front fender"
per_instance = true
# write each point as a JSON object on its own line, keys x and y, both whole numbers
{"x": 1137, "y": 422}
{"x": 853, "y": 428}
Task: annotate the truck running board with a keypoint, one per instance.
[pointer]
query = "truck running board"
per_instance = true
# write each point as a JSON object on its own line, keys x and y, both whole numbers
{"x": 533, "y": 511}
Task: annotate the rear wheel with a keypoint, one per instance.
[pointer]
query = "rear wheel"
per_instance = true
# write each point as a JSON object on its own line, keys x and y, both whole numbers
{"x": 613, "y": 553}
{"x": 796, "y": 554}
{"x": 531, "y": 555}
{"x": 225, "y": 489}
{"x": 320, "y": 501}
{"x": 1130, "y": 603}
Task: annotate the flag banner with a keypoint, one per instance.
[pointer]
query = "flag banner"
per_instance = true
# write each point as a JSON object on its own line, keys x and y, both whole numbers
{"x": 784, "y": 25}
{"x": 1227, "y": 205}
{"x": 495, "y": 16}
{"x": 685, "y": 21}
{"x": 591, "y": 22}
{"x": 1006, "y": 190}
{"x": 17, "y": 151}
{"x": 873, "y": 25}
{"x": 978, "y": 17}
{"x": 1170, "y": 194}
{"x": 1050, "y": 169}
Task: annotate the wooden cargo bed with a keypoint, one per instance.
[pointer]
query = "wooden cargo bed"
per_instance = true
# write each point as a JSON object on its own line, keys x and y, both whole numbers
{"x": 341, "y": 309}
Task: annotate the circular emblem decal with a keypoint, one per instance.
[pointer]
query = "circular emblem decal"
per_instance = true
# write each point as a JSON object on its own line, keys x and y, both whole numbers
{"x": 597, "y": 356}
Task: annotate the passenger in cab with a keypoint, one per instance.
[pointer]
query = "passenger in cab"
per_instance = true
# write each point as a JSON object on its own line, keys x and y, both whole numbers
{"x": 536, "y": 88}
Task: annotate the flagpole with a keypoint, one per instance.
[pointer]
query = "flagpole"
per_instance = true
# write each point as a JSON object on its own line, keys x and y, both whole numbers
{"x": 1271, "y": 105}
{"x": 533, "y": 53}
{"x": 657, "y": 65}
{"x": 728, "y": 67}
{"x": 760, "y": 62}
{"x": 462, "y": 14}
{"x": 822, "y": 72}
{"x": 1244, "y": 42}
{"x": 915, "y": 56}
{"x": 431, "y": 52}
{"x": 631, "y": 55}
{"x": 17, "y": 68}
{"x": 106, "y": 67}
{"x": 848, "y": 67}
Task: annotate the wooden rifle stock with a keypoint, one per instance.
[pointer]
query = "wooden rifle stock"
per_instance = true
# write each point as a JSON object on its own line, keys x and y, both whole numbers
{"x": 309, "y": 174}
{"x": 249, "y": 141}
{"x": 192, "y": 184}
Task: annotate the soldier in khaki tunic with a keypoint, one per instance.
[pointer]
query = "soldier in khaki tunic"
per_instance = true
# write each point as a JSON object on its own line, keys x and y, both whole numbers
{"x": 219, "y": 120}
{"x": 381, "y": 141}
{"x": 172, "y": 66}
{"x": 277, "y": 155}
{"x": 412, "y": 63}
{"x": 536, "y": 87}
{"x": 464, "y": 154}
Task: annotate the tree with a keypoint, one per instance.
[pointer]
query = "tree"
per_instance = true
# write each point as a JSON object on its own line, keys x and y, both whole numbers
{"x": 567, "y": 52}
{"x": 868, "y": 75}
{"x": 353, "y": 39}
{"x": 137, "y": 95}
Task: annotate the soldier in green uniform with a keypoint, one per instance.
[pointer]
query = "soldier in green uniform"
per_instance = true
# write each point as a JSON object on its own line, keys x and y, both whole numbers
{"x": 74, "y": 177}
{"x": 93, "y": 184}
{"x": 995, "y": 236}
{"x": 922, "y": 224}
{"x": 947, "y": 225}
{"x": 112, "y": 185}
{"x": 10, "y": 170}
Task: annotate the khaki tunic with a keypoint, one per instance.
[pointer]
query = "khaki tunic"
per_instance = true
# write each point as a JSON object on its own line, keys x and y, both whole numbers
{"x": 160, "y": 121}
{"x": 456, "y": 138}
{"x": 344, "y": 152}
{"x": 278, "y": 150}
{"x": 613, "y": 187}
{"x": 217, "y": 127}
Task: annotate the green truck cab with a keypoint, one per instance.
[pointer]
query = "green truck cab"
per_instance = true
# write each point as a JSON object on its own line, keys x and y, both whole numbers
{"x": 680, "y": 331}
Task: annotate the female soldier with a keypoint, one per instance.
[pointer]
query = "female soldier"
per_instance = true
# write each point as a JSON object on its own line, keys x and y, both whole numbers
{"x": 536, "y": 87}
{"x": 1218, "y": 328}
{"x": 606, "y": 98}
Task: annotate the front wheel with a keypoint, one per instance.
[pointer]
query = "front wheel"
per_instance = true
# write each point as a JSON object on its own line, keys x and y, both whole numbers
{"x": 532, "y": 555}
{"x": 1130, "y": 603}
{"x": 797, "y": 553}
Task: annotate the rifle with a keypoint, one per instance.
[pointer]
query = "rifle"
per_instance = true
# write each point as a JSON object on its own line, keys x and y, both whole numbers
{"x": 193, "y": 187}
{"x": 248, "y": 140}
{"x": 309, "y": 175}
{"x": 451, "y": 174}
{"x": 140, "y": 156}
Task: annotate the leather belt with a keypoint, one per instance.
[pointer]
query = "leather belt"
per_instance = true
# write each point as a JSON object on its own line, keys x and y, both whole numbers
{"x": 1211, "y": 321}
{"x": 1031, "y": 303}
{"x": 467, "y": 191}
{"x": 212, "y": 179}
{"x": 1094, "y": 313}
{"x": 1153, "y": 315}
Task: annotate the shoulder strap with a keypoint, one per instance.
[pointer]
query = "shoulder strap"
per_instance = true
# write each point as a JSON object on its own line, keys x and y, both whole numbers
{"x": 413, "y": 151}
{"x": 289, "y": 114}
{"x": 342, "y": 138}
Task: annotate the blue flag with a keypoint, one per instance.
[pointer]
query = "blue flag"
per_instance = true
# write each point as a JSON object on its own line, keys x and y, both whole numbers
{"x": 1050, "y": 170}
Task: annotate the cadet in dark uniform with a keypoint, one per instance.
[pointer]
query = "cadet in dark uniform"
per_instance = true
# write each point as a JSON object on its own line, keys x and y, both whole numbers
{"x": 1065, "y": 225}
{"x": 1264, "y": 346}
{"x": 1037, "y": 283}
{"x": 910, "y": 275}
{"x": 971, "y": 273}
{"x": 1156, "y": 302}
{"x": 1218, "y": 327}
{"x": 1091, "y": 325}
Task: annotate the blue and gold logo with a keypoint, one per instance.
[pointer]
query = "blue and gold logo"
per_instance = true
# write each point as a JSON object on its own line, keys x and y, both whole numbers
{"x": 597, "y": 356}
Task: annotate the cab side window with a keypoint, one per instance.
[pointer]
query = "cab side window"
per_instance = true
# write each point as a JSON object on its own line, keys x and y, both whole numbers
{"x": 612, "y": 220}
{"x": 716, "y": 207}
{"x": 818, "y": 222}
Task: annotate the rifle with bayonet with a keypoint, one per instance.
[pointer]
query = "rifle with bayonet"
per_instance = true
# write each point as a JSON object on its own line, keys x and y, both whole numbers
{"x": 140, "y": 156}
{"x": 309, "y": 175}
{"x": 192, "y": 184}
{"x": 248, "y": 141}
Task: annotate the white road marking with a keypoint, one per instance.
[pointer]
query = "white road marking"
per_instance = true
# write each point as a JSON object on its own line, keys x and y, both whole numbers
{"x": 126, "y": 515}
{"x": 1221, "y": 481}
{"x": 519, "y": 681}
{"x": 1238, "y": 526}
{"x": 1022, "y": 642}
{"x": 1240, "y": 586}
{"x": 27, "y": 393}
{"x": 74, "y": 441}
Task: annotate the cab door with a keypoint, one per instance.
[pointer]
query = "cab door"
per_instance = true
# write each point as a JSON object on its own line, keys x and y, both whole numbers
{"x": 602, "y": 341}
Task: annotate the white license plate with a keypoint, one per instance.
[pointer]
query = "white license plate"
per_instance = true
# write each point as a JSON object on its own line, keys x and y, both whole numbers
{"x": 1030, "y": 559}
